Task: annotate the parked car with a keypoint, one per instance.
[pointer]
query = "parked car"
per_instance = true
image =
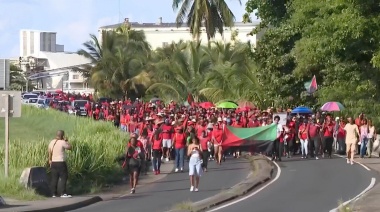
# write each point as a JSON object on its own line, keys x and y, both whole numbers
{"x": 27, "y": 96}
{"x": 78, "y": 107}
{"x": 33, "y": 102}
{"x": 44, "y": 103}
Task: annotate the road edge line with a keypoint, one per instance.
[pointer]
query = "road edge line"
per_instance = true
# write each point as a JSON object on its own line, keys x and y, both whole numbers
{"x": 361, "y": 164}
{"x": 371, "y": 185}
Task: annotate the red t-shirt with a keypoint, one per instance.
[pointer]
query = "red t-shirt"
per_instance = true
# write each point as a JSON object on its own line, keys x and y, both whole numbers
{"x": 252, "y": 124}
{"x": 132, "y": 127}
{"x": 328, "y": 130}
{"x": 168, "y": 134}
{"x": 313, "y": 130}
{"x": 157, "y": 144}
{"x": 203, "y": 142}
{"x": 180, "y": 140}
{"x": 237, "y": 124}
{"x": 303, "y": 132}
{"x": 217, "y": 134}
{"x": 341, "y": 131}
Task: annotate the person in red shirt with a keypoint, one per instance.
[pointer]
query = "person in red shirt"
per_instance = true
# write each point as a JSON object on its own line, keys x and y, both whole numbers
{"x": 328, "y": 139}
{"x": 341, "y": 135}
{"x": 204, "y": 140}
{"x": 179, "y": 143}
{"x": 156, "y": 152}
{"x": 253, "y": 122}
{"x": 303, "y": 135}
{"x": 216, "y": 139}
{"x": 314, "y": 138}
{"x": 167, "y": 130}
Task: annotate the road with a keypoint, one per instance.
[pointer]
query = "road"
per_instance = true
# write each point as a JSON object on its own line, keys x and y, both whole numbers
{"x": 162, "y": 195}
{"x": 307, "y": 185}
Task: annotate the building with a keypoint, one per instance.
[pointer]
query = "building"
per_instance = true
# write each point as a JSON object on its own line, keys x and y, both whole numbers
{"x": 32, "y": 42}
{"x": 58, "y": 71}
{"x": 161, "y": 34}
{"x": 45, "y": 62}
{"x": 4, "y": 74}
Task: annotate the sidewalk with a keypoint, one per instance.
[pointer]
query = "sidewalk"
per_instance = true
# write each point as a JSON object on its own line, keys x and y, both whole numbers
{"x": 370, "y": 200}
{"x": 66, "y": 204}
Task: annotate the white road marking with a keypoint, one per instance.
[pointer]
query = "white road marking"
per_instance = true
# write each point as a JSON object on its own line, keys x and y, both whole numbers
{"x": 252, "y": 194}
{"x": 373, "y": 181}
{"x": 364, "y": 166}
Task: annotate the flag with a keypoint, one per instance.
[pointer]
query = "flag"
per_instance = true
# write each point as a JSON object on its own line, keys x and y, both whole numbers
{"x": 311, "y": 86}
{"x": 260, "y": 138}
{"x": 190, "y": 99}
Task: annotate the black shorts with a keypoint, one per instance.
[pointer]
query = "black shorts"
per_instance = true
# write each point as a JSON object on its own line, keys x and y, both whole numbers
{"x": 133, "y": 169}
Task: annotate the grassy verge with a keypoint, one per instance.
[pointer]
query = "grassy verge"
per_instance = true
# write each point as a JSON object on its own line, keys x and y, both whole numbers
{"x": 91, "y": 162}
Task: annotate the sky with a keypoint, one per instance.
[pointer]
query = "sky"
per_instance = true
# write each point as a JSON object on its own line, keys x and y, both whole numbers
{"x": 74, "y": 20}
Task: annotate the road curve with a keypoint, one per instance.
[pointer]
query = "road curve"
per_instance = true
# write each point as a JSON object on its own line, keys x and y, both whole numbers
{"x": 162, "y": 195}
{"x": 307, "y": 185}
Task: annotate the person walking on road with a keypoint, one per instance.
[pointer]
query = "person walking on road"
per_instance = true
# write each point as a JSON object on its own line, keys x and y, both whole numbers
{"x": 57, "y": 161}
{"x": 276, "y": 148}
{"x": 352, "y": 131}
{"x": 156, "y": 152}
{"x": 364, "y": 132}
{"x": 179, "y": 143}
{"x": 134, "y": 156}
{"x": 205, "y": 140}
{"x": 194, "y": 151}
{"x": 371, "y": 137}
{"x": 304, "y": 138}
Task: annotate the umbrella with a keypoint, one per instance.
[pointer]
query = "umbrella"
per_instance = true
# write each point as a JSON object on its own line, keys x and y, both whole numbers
{"x": 206, "y": 105}
{"x": 332, "y": 106}
{"x": 246, "y": 104}
{"x": 302, "y": 110}
{"x": 244, "y": 108}
{"x": 154, "y": 100}
{"x": 228, "y": 105}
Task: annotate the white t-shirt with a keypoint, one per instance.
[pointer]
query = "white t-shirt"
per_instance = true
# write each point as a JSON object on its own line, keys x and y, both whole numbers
{"x": 280, "y": 129}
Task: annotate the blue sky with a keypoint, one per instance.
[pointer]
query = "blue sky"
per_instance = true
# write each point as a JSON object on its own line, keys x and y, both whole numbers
{"x": 74, "y": 20}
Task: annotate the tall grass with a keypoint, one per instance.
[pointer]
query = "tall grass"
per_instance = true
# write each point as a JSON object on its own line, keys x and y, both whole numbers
{"x": 91, "y": 162}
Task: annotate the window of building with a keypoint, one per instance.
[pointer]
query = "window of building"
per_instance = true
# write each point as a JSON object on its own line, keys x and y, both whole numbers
{"x": 76, "y": 76}
{"x": 165, "y": 44}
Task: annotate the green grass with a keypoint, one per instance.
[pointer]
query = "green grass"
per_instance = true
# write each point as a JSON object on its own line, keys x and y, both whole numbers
{"x": 91, "y": 162}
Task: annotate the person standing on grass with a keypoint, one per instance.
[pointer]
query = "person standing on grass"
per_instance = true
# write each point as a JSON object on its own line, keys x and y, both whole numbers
{"x": 352, "y": 131}
{"x": 57, "y": 162}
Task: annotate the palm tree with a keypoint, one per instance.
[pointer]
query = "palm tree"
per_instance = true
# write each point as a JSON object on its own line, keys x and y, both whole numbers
{"x": 182, "y": 73}
{"x": 213, "y": 14}
{"x": 119, "y": 62}
{"x": 17, "y": 78}
{"x": 233, "y": 74}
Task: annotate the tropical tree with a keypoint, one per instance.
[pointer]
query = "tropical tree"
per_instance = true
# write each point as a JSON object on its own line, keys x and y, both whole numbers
{"x": 182, "y": 73}
{"x": 212, "y": 14}
{"x": 17, "y": 78}
{"x": 118, "y": 62}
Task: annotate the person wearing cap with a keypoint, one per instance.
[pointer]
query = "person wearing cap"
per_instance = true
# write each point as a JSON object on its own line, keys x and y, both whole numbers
{"x": 167, "y": 131}
{"x": 179, "y": 144}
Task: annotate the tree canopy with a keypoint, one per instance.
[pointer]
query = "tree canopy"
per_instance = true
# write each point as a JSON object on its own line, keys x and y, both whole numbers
{"x": 337, "y": 41}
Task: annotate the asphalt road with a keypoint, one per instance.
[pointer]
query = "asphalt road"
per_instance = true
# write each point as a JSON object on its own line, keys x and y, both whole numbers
{"x": 308, "y": 185}
{"x": 162, "y": 195}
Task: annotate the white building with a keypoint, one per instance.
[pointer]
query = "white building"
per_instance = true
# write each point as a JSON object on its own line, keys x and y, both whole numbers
{"x": 47, "y": 64}
{"x": 58, "y": 71}
{"x": 4, "y": 74}
{"x": 34, "y": 41}
{"x": 161, "y": 34}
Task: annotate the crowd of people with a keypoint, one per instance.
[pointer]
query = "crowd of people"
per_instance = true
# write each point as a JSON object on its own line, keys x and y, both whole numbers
{"x": 162, "y": 132}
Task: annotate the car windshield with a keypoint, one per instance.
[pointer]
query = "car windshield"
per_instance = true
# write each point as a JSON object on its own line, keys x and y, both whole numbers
{"x": 80, "y": 103}
{"x": 41, "y": 102}
{"x": 28, "y": 96}
{"x": 33, "y": 100}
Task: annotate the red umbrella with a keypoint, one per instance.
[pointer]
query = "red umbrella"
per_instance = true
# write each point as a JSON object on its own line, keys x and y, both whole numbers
{"x": 240, "y": 109}
{"x": 206, "y": 105}
{"x": 246, "y": 104}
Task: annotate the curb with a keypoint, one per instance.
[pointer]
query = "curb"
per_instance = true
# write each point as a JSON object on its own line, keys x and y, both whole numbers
{"x": 262, "y": 174}
{"x": 2, "y": 202}
{"x": 69, "y": 207}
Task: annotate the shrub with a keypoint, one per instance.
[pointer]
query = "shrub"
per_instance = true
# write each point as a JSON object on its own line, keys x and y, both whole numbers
{"x": 91, "y": 162}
